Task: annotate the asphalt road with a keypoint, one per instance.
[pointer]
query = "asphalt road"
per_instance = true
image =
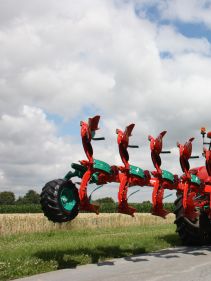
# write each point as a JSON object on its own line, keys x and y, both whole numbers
{"x": 176, "y": 264}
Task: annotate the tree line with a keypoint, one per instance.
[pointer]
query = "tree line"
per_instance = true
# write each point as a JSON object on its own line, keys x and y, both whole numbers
{"x": 8, "y": 198}
{"x": 30, "y": 203}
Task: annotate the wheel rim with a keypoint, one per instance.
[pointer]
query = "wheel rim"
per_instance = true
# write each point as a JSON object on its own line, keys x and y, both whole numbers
{"x": 67, "y": 199}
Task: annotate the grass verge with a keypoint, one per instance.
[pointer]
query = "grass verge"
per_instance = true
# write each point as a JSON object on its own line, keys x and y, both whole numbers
{"x": 28, "y": 254}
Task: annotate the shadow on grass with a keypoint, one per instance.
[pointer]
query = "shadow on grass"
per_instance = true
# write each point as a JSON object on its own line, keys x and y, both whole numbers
{"x": 70, "y": 258}
{"x": 172, "y": 239}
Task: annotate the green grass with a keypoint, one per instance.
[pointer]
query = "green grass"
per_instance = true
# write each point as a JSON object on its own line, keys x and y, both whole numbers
{"x": 28, "y": 254}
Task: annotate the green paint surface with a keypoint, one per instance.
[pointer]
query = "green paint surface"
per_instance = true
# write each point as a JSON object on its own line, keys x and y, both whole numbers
{"x": 195, "y": 180}
{"x": 136, "y": 171}
{"x": 167, "y": 175}
{"x": 103, "y": 166}
{"x": 67, "y": 199}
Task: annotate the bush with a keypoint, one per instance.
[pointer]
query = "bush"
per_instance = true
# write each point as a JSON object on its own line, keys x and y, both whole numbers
{"x": 24, "y": 208}
{"x": 144, "y": 207}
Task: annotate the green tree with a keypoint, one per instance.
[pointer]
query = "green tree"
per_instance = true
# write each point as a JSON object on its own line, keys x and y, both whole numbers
{"x": 31, "y": 197}
{"x": 7, "y": 198}
{"x": 106, "y": 200}
{"x": 19, "y": 201}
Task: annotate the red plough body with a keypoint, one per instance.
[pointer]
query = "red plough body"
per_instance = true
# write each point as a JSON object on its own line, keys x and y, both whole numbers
{"x": 193, "y": 203}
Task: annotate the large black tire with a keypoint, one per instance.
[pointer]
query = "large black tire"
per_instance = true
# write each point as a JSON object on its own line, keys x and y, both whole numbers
{"x": 51, "y": 201}
{"x": 191, "y": 232}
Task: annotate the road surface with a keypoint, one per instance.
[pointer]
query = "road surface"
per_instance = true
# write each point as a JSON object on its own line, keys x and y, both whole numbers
{"x": 174, "y": 264}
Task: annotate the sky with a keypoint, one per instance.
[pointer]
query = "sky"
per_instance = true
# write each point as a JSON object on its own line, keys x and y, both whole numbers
{"x": 146, "y": 62}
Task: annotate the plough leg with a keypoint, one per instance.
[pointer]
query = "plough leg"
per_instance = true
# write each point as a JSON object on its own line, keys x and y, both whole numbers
{"x": 157, "y": 201}
{"x": 84, "y": 201}
{"x": 123, "y": 207}
{"x": 185, "y": 195}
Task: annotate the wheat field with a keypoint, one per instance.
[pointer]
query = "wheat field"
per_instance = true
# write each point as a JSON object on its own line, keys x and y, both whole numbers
{"x": 28, "y": 223}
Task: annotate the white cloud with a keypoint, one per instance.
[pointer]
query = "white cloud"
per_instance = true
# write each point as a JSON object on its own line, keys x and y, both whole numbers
{"x": 31, "y": 152}
{"x": 60, "y": 57}
{"x": 192, "y": 11}
{"x": 169, "y": 40}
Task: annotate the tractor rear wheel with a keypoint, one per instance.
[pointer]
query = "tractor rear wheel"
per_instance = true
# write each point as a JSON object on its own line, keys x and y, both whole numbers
{"x": 190, "y": 231}
{"x": 60, "y": 200}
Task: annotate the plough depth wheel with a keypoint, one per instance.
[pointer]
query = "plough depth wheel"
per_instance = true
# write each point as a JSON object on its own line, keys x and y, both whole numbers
{"x": 60, "y": 200}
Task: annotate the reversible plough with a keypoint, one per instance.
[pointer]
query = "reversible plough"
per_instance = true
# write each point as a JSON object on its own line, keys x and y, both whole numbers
{"x": 61, "y": 200}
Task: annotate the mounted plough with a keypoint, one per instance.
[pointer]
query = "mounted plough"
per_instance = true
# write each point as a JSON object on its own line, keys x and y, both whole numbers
{"x": 61, "y": 200}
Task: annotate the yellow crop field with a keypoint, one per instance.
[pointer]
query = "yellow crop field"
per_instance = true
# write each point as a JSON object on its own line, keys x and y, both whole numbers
{"x": 28, "y": 223}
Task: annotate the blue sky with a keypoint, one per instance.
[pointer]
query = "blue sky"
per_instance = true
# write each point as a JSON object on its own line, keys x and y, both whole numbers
{"x": 188, "y": 29}
{"x": 66, "y": 127}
